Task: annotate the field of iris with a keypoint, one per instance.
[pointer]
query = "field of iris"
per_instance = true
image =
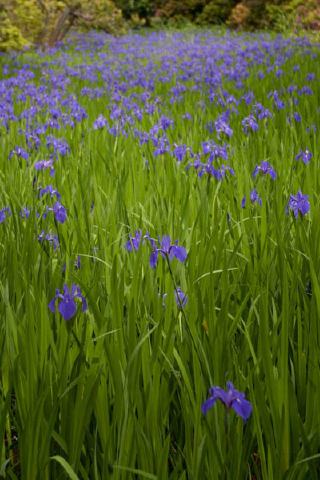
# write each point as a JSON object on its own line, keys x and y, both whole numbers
{"x": 160, "y": 239}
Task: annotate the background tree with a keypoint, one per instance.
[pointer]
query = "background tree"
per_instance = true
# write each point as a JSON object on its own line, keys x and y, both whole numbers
{"x": 46, "y": 22}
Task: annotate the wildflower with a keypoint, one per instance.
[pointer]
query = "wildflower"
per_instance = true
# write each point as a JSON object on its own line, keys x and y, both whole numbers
{"x": 49, "y": 237}
{"x": 44, "y": 164}
{"x": 60, "y": 212}
{"x": 310, "y": 77}
{"x": 52, "y": 191}
{"x": 218, "y": 173}
{"x": 299, "y": 203}
{"x": 165, "y": 122}
{"x": 67, "y": 305}
{"x": 142, "y": 136}
{"x": 254, "y": 197}
{"x": 277, "y": 100}
{"x": 215, "y": 151}
{"x": 25, "y": 212}
{"x": 266, "y": 169}
{"x": 249, "y": 123}
{"x": 223, "y": 127}
{"x": 292, "y": 88}
{"x": 134, "y": 241}
{"x": 20, "y": 152}
{"x": 100, "y": 122}
{"x": 231, "y": 398}
{"x": 167, "y": 250}
{"x": 206, "y": 147}
{"x": 305, "y": 156}
{"x": 180, "y": 152}
{"x": 59, "y": 145}
{"x": 248, "y": 97}
{"x": 4, "y": 213}
{"x": 180, "y": 297}
{"x": 305, "y": 90}
{"x": 79, "y": 113}
{"x": 297, "y": 116}
{"x": 262, "y": 112}
{"x": 162, "y": 145}
{"x": 33, "y": 141}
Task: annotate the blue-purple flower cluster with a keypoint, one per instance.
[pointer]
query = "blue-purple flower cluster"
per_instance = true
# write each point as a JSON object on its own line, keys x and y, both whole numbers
{"x": 164, "y": 248}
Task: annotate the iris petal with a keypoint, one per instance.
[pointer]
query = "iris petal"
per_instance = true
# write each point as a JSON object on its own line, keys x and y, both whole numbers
{"x": 67, "y": 308}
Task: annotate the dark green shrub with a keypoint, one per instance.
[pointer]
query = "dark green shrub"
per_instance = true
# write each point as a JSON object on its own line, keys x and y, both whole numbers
{"x": 216, "y": 12}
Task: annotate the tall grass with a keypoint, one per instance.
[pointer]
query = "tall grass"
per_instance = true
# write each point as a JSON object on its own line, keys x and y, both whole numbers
{"x": 116, "y": 392}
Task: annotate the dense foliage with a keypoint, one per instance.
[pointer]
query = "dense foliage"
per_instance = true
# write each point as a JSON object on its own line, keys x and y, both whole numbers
{"x": 277, "y": 14}
{"x": 160, "y": 264}
{"x": 46, "y": 22}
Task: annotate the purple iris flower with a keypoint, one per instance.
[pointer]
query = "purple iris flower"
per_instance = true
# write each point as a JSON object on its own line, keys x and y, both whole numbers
{"x": 305, "y": 156}
{"x": 254, "y": 197}
{"x": 310, "y": 77}
{"x": 266, "y": 169}
{"x": 180, "y": 152}
{"x": 249, "y": 123}
{"x": 60, "y": 212}
{"x": 67, "y": 305}
{"x": 20, "y": 152}
{"x": 25, "y": 212}
{"x": 305, "y": 90}
{"x": 162, "y": 145}
{"x": 49, "y": 237}
{"x": 4, "y": 213}
{"x": 206, "y": 147}
{"x": 59, "y": 145}
{"x": 299, "y": 203}
{"x": 279, "y": 103}
{"x": 44, "y": 164}
{"x": 223, "y": 127}
{"x": 297, "y": 116}
{"x": 231, "y": 398}
{"x": 248, "y": 97}
{"x": 100, "y": 122}
{"x": 167, "y": 249}
{"x": 52, "y": 191}
{"x": 277, "y": 100}
{"x": 218, "y": 173}
{"x": 180, "y": 297}
{"x": 142, "y": 136}
{"x": 262, "y": 112}
{"x": 134, "y": 241}
{"x": 165, "y": 122}
{"x": 215, "y": 151}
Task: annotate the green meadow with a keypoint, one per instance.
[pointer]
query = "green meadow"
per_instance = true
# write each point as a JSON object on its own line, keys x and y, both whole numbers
{"x": 116, "y": 390}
